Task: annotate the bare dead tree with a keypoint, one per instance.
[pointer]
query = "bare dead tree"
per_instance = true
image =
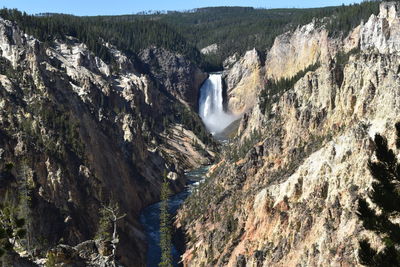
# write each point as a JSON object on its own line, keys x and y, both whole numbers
{"x": 110, "y": 215}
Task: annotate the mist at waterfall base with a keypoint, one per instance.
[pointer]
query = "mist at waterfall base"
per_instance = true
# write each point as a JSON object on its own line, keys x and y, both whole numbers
{"x": 211, "y": 108}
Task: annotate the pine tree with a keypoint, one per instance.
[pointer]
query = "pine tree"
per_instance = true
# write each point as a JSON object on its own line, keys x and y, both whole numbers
{"x": 386, "y": 196}
{"x": 165, "y": 225}
{"x": 12, "y": 226}
{"x": 25, "y": 201}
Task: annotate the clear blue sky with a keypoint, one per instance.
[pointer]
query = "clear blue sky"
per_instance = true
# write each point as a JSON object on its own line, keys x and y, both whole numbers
{"x": 113, "y": 7}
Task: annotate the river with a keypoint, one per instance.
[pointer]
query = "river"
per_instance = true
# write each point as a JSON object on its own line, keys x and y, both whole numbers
{"x": 216, "y": 119}
{"x": 150, "y": 218}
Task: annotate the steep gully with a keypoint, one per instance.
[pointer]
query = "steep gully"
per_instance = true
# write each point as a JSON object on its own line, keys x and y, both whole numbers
{"x": 216, "y": 120}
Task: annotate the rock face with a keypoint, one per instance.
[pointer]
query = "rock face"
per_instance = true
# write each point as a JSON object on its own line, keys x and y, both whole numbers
{"x": 81, "y": 133}
{"x": 293, "y": 52}
{"x": 211, "y": 49}
{"x": 177, "y": 75}
{"x": 88, "y": 253}
{"x": 243, "y": 81}
{"x": 291, "y": 199}
{"x": 382, "y": 32}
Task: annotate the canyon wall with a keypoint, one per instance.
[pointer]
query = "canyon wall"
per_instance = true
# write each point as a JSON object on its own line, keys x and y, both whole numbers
{"x": 291, "y": 198}
{"x": 291, "y": 53}
{"x": 79, "y": 133}
{"x": 243, "y": 81}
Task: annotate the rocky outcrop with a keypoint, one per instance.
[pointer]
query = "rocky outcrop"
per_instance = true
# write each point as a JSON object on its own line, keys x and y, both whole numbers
{"x": 81, "y": 133}
{"x": 211, "y": 49}
{"x": 243, "y": 80}
{"x": 381, "y": 32}
{"x": 177, "y": 75}
{"x": 291, "y": 53}
{"x": 291, "y": 199}
{"x": 88, "y": 253}
{"x": 295, "y": 51}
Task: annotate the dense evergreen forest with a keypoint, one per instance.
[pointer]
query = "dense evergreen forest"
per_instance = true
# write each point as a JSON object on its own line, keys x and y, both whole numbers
{"x": 128, "y": 36}
{"x": 234, "y": 29}
{"x": 238, "y": 29}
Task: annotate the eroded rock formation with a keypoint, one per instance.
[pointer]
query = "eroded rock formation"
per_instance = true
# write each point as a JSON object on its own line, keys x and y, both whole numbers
{"x": 291, "y": 199}
{"x": 81, "y": 133}
{"x": 243, "y": 80}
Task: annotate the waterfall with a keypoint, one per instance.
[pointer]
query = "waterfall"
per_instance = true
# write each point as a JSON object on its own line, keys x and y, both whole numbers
{"x": 211, "y": 108}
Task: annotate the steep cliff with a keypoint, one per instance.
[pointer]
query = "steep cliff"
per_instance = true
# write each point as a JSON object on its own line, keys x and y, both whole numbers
{"x": 243, "y": 79}
{"x": 175, "y": 74}
{"x": 294, "y": 51}
{"x": 290, "y": 198}
{"x": 81, "y": 133}
{"x": 291, "y": 53}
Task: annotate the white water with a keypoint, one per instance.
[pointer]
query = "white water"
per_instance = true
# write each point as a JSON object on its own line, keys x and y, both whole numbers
{"x": 211, "y": 105}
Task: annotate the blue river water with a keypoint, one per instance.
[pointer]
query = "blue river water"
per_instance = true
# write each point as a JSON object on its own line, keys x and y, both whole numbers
{"x": 150, "y": 218}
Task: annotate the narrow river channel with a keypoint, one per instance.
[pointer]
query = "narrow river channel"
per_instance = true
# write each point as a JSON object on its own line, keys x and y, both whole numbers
{"x": 150, "y": 218}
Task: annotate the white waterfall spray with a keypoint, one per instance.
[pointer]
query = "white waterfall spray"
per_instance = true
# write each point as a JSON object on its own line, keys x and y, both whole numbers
{"x": 211, "y": 105}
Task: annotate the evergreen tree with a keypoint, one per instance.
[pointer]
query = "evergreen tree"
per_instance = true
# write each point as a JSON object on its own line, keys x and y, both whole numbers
{"x": 25, "y": 202}
{"x": 187, "y": 32}
{"x": 12, "y": 228}
{"x": 165, "y": 226}
{"x": 386, "y": 196}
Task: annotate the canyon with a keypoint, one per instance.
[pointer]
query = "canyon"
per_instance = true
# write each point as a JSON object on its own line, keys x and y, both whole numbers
{"x": 80, "y": 135}
{"x": 291, "y": 198}
{"x": 286, "y": 134}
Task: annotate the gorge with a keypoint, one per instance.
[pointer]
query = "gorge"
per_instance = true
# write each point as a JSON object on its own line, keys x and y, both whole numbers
{"x": 96, "y": 113}
{"x": 216, "y": 120}
{"x": 150, "y": 218}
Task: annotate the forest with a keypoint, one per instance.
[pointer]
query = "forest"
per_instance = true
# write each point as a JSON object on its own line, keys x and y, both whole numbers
{"x": 239, "y": 29}
{"x": 234, "y": 29}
